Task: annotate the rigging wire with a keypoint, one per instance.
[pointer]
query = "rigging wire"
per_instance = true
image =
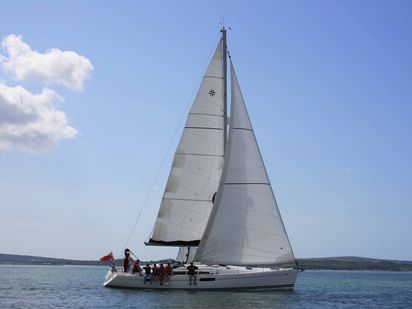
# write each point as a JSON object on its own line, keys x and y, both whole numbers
{"x": 190, "y": 100}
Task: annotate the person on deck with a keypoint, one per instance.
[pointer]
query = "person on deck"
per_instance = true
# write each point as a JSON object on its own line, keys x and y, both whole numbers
{"x": 113, "y": 267}
{"x": 168, "y": 273}
{"x": 137, "y": 268}
{"x": 126, "y": 261}
{"x": 191, "y": 271}
{"x": 162, "y": 273}
{"x": 148, "y": 274}
{"x": 155, "y": 273}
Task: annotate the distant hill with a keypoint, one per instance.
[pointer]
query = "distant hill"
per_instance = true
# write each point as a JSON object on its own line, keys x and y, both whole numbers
{"x": 39, "y": 260}
{"x": 355, "y": 263}
{"x": 331, "y": 263}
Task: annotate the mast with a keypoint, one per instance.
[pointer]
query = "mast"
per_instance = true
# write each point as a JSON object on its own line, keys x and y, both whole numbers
{"x": 223, "y": 30}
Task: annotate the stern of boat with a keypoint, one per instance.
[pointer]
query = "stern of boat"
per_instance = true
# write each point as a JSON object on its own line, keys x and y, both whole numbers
{"x": 109, "y": 277}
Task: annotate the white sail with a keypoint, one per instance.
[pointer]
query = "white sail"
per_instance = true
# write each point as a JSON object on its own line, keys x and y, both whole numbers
{"x": 245, "y": 226}
{"x": 197, "y": 165}
{"x": 186, "y": 254}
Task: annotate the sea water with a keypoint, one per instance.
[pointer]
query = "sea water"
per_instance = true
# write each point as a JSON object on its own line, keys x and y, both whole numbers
{"x": 81, "y": 287}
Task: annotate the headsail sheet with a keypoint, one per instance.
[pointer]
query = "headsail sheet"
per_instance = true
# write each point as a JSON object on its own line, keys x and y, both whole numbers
{"x": 197, "y": 165}
{"x": 245, "y": 226}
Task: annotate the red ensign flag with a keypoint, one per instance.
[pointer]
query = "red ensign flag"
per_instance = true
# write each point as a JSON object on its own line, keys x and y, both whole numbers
{"x": 108, "y": 257}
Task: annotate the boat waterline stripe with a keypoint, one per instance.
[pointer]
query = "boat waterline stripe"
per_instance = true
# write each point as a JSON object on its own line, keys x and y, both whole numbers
{"x": 204, "y": 128}
{"x": 263, "y": 287}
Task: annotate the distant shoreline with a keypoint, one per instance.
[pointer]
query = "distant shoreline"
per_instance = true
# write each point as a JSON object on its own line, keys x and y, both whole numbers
{"x": 354, "y": 263}
{"x": 329, "y": 263}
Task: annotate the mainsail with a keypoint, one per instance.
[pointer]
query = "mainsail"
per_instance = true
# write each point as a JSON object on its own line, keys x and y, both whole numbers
{"x": 197, "y": 164}
{"x": 245, "y": 226}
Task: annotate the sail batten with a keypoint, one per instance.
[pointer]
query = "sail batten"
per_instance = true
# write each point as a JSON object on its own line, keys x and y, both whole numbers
{"x": 197, "y": 165}
{"x": 245, "y": 226}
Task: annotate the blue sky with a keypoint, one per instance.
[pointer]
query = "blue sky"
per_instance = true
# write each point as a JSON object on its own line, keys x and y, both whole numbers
{"x": 328, "y": 88}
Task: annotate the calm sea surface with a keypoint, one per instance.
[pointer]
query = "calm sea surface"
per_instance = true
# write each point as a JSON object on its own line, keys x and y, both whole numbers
{"x": 81, "y": 287}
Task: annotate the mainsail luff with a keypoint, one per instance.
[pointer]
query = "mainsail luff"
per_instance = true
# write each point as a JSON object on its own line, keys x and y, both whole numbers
{"x": 245, "y": 226}
{"x": 224, "y": 58}
{"x": 197, "y": 164}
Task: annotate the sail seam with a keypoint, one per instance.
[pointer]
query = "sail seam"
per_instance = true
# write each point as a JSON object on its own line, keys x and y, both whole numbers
{"x": 247, "y": 183}
{"x": 207, "y": 128}
{"x": 247, "y": 129}
{"x": 186, "y": 199}
{"x": 198, "y": 154}
{"x": 205, "y": 114}
{"x": 211, "y": 76}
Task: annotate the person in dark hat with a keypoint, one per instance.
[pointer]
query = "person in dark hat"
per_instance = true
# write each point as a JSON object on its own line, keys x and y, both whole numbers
{"x": 126, "y": 261}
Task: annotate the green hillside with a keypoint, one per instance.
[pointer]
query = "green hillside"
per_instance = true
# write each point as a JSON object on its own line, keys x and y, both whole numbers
{"x": 355, "y": 263}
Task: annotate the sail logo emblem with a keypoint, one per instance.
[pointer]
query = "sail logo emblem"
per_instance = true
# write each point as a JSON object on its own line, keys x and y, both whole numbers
{"x": 212, "y": 92}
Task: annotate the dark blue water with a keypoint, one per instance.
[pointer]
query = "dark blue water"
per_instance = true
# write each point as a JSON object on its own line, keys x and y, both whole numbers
{"x": 81, "y": 287}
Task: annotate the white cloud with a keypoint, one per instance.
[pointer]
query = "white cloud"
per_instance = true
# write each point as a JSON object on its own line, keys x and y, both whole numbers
{"x": 31, "y": 122}
{"x": 67, "y": 68}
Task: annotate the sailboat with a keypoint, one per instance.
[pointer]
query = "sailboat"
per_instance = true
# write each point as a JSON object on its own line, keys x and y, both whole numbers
{"x": 218, "y": 206}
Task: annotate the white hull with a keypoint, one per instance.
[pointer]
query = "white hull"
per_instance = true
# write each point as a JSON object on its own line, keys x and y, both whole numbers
{"x": 212, "y": 278}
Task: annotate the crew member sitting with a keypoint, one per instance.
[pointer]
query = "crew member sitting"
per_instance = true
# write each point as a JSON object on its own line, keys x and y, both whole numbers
{"x": 155, "y": 273}
{"x": 148, "y": 274}
{"x": 137, "y": 268}
{"x": 168, "y": 273}
{"x": 162, "y": 273}
{"x": 191, "y": 271}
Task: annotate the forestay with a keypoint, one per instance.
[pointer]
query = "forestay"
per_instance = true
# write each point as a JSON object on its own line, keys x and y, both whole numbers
{"x": 197, "y": 165}
{"x": 245, "y": 226}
